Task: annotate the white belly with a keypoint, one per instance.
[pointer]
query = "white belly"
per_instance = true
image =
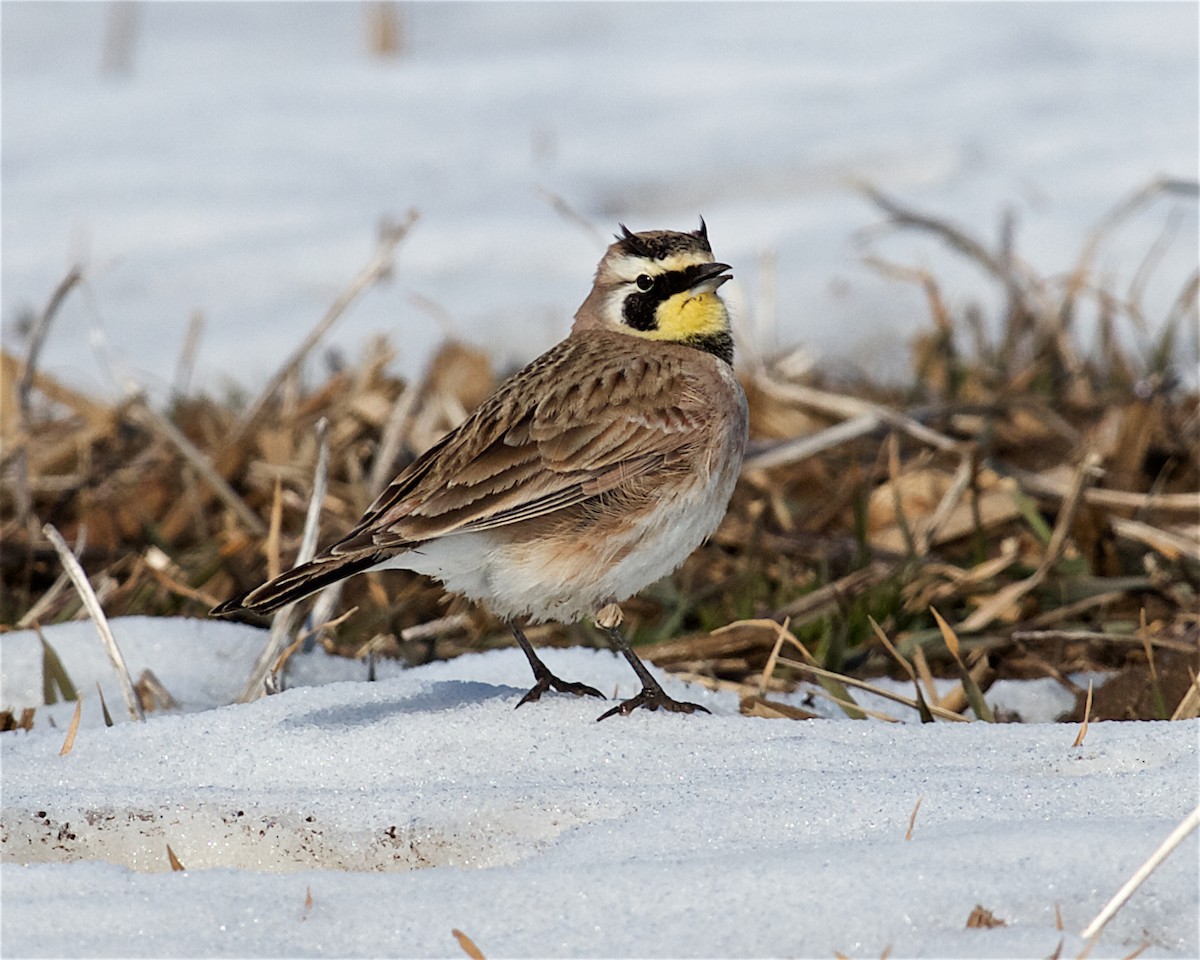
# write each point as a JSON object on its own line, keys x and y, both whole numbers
{"x": 514, "y": 580}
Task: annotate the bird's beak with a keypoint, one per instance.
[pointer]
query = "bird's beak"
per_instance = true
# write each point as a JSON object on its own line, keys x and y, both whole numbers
{"x": 706, "y": 277}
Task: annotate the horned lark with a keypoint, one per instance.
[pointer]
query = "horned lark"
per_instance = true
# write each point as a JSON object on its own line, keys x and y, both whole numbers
{"x": 586, "y": 476}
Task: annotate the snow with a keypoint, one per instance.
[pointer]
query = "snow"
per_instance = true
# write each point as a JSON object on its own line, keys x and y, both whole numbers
{"x": 242, "y": 165}
{"x": 423, "y": 802}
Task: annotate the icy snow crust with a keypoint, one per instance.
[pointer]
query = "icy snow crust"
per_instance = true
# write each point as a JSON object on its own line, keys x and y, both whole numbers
{"x": 423, "y": 802}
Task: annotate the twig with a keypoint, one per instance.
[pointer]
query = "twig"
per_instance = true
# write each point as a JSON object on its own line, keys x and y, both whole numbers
{"x": 1070, "y": 636}
{"x": 1150, "y": 262}
{"x": 35, "y": 612}
{"x": 389, "y": 444}
{"x": 312, "y": 519}
{"x": 1169, "y": 544}
{"x": 793, "y": 451}
{"x": 281, "y": 624}
{"x": 916, "y": 429}
{"x": 865, "y": 415}
{"x": 1124, "y": 209}
{"x": 436, "y": 628}
{"x": 1074, "y": 611}
{"x": 159, "y": 424}
{"x": 560, "y": 206}
{"x": 37, "y": 337}
{"x": 1174, "y": 839}
{"x": 321, "y": 616}
{"x": 903, "y": 217}
{"x": 379, "y": 266}
{"x": 1062, "y": 528}
{"x": 926, "y": 529}
{"x": 1039, "y": 485}
{"x": 88, "y": 596}
{"x": 187, "y": 355}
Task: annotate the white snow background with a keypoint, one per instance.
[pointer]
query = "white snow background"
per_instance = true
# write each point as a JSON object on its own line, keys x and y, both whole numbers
{"x": 240, "y": 169}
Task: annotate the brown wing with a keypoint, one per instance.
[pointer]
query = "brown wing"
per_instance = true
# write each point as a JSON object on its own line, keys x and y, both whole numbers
{"x": 584, "y": 419}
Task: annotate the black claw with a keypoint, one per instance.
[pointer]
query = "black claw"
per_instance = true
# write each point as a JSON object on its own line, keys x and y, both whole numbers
{"x": 650, "y": 699}
{"x": 551, "y": 682}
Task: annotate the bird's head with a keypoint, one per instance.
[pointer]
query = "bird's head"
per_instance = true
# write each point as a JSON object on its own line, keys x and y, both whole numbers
{"x": 661, "y": 285}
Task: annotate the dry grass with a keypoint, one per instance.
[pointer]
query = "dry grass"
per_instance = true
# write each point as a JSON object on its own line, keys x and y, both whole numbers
{"x": 1038, "y": 486}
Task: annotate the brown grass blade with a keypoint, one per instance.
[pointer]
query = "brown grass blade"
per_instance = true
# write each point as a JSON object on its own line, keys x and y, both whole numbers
{"x": 1087, "y": 713}
{"x": 108, "y": 720}
{"x": 69, "y": 742}
{"x": 54, "y": 675}
{"x": 870, "y": 688}
{"x": 262, "y": 675}
{"x": 912, "y": 820}
{"x": 769, "y": 667}
{"x": 88, "y": 596}
{"x": 274, "y": 527}
{"x": 156, "y": 422}
{"x": 831, "y": 682}
{"x": 969, "y": 682}
{"x": 922, "y": 706}
{"x": 468, "y": 945}
{"x": 760, "y": 706}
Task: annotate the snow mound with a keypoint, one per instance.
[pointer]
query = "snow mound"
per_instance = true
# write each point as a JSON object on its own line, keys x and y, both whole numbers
{"x": 540, "y": 832}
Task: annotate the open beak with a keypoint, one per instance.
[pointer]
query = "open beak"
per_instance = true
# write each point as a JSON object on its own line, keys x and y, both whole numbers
{"x": 706, "y": 277}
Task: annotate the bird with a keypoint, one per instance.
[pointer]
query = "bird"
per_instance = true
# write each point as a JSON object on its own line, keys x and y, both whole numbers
{"x": 589, "y": 474}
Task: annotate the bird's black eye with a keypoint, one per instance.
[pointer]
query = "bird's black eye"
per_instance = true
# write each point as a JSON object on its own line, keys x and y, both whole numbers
{"x": 644, "y": 282}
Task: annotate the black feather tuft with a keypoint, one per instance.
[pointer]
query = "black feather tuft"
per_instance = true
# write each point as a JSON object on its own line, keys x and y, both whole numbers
{"x": 635, "y": 244}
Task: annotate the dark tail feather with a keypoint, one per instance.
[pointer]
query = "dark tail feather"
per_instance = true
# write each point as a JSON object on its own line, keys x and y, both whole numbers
{"x": 295, "y": 584}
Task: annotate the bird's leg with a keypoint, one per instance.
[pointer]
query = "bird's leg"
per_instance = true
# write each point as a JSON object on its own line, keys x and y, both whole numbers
{"x": 541, "y": 673}
{"x": 653, "y": 696}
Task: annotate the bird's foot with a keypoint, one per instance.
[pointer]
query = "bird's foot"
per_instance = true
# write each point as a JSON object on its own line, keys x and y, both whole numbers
{"x": 549, "y": 681}
{"x": 652, "y": 699}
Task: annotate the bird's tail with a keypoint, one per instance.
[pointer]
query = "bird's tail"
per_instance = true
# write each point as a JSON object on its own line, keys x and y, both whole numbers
{"x": 296, "y": 584}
